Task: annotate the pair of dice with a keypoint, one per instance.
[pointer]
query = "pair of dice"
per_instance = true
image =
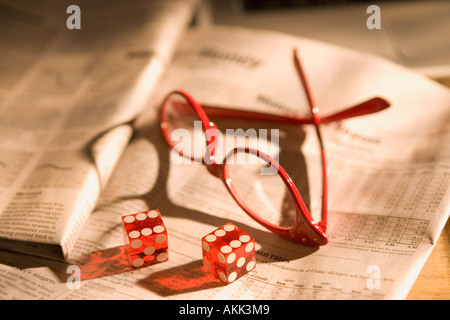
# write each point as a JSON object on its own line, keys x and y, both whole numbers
{"x": 228, "y": 252}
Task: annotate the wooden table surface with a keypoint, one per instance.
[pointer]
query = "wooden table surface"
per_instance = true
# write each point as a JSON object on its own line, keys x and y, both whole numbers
{"x": 433, "y": 282}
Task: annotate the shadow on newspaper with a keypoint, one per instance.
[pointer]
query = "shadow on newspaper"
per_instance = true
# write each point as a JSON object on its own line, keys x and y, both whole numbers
{"x": 184, "y": 278}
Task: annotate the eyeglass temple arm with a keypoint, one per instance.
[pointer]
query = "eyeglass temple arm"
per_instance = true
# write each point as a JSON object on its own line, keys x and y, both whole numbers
{"x": 367, "y": 107}
{"x": 364, "y": 108}
{"x": 316, "y": 121}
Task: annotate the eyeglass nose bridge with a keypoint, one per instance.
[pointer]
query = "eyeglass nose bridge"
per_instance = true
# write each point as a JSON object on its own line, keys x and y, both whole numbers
{"x": 216, "y": 170}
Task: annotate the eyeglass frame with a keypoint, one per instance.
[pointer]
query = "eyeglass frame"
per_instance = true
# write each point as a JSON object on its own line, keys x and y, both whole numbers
{"x": 305, "y": 229}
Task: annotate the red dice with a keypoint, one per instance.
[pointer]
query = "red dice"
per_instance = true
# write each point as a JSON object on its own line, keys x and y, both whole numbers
{"x": 228, "y": 252}
{"x": 147, "y": 238}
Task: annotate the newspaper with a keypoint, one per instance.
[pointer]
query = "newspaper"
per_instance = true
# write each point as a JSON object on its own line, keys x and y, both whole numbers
{"x": 388, "y": 182}
{"x": 67, "y": 101}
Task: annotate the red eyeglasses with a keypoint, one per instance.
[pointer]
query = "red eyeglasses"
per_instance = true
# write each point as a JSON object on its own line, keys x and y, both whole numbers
{"x": 270, "y": 199}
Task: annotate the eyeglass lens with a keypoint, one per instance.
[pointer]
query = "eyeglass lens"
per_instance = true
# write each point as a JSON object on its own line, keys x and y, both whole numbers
{"x": 265, "y": 195}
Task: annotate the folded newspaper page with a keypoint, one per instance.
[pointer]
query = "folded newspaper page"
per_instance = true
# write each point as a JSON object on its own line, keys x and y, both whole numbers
{"x": 67, "y": 98}
{"x": 388, "y": 178}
